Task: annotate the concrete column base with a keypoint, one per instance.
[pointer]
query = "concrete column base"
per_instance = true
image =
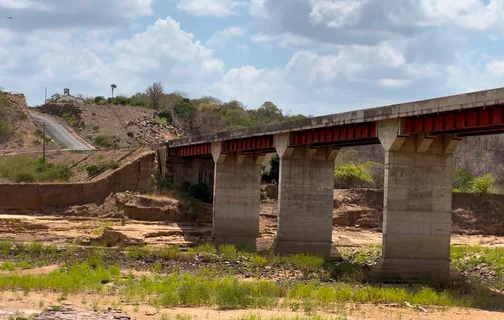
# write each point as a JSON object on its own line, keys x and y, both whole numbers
{"x": 414, "y": 270}
{"x": 292, "y": 247}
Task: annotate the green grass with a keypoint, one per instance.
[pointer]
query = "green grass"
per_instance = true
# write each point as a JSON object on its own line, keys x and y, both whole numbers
{"x": 4, "y": 128}
{"x": 228, "y": 252}
{"x": 8, "y": 266}
{"x": 227, "y": 292}
{"x": 98, "y": 231}
{"x": 101, "y": 167}
{"x": 26, "y": 169}
{"x": 206, "y": 248}
{"x": 5, "y": 247}
{"x": 471, "y": 256}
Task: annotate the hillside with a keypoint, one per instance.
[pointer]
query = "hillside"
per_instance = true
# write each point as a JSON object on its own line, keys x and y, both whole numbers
{"x": 113, "y": 125}
{"x": 18, "y": 132}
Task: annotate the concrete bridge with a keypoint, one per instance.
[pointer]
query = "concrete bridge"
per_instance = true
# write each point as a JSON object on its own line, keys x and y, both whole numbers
{"x": 419, "y": 139}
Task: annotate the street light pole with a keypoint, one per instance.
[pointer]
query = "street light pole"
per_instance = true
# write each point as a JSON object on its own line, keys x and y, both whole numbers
{"x": 43, "y": 143}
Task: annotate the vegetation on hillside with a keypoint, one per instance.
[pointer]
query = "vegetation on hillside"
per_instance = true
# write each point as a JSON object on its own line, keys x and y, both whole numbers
{"x": 196, "y": 116}
{"x": 463, "y": 181}
{"x": 26, "y": 169}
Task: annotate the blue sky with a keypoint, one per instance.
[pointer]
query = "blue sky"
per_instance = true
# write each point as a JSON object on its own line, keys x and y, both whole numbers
{"x": 308, "y": 56}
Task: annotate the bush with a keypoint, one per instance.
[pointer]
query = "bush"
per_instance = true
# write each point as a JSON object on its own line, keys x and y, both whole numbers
{"x": 166, "y": 114}
{"x": 376, "y": 171}
{"x": 4, "y": 128}
{"x": 201, "y": 191}
{"x": 26, "y": 169}
{"x": 462, "y": 180}
{"x": 483, "y": 184}
{"x": 102, "y": 141}
{"x": 274, "y": 173}
{"x": 348, "y": 176}
{"x": 95, "y": 169}
{"x": 71, "y": 120}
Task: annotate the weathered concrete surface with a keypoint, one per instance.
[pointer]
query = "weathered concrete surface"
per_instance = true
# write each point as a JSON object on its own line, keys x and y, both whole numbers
{"x": 417, "y": 205}
{"x": 134, "y": 176}
{"x": 237, "y": 196}
{"x": 450, "y": 103}
{"x": 305, "y": 198}
{"x": 180, "y": 170}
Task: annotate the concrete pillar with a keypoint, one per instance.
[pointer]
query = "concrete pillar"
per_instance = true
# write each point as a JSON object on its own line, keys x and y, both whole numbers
{"x": 417, "y": 205}
{"x": 237, "y": 196}
{"x": 305, "y": 198}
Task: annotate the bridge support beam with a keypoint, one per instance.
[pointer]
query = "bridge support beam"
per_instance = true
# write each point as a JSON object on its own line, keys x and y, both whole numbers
{"x": 305, "y": 198}
{"x": 237, "y": 196}
{"x": 417, "y": 205}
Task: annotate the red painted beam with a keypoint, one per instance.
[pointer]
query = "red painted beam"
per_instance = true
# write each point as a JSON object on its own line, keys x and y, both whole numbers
{"x": 463, "y": 121}
{"x": 335, "y": 134}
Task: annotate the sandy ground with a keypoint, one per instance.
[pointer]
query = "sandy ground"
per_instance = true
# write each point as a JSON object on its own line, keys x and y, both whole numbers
{"x": 84, "y": 303}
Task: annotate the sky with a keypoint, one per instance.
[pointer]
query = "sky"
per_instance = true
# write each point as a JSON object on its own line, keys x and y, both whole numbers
{"x": 312, "y": 57}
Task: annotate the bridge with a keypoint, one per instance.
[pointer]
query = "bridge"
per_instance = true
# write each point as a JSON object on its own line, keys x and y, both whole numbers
{"x": 419, "y": 139}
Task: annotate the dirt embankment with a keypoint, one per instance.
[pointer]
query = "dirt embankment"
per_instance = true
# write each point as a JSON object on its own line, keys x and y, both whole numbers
{"x": 121, "y": 125}
{"x": 22, "y": 134}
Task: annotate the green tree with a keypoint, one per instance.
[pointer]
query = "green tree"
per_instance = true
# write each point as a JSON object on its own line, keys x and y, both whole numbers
{"x": 268, "y": 113}
{"x": 462, "y": 180}
{"x": 186, "y": 112}
{"x": 348, "y": 176}
{"x": 483, "y": 184}
{"x": 274, "y": 173}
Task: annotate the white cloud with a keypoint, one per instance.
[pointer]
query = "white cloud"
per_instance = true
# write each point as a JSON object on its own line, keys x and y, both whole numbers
{"x": 393, "y": 83}
{"x": 496, "y": 67}
{"x": 216, "y": 8}
{"x": 220, "y": 38}
{"x": 336, "y": 13}
{"x": 23, "y": 4}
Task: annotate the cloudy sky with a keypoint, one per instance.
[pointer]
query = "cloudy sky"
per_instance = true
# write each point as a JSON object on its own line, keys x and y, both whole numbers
{"x": 308, "y": 56}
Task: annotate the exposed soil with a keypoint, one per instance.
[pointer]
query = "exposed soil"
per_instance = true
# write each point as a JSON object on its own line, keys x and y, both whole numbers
{"x": 81, "y": 307}
{"x": 123, "y": 125}
{"x": 22, "y": 136}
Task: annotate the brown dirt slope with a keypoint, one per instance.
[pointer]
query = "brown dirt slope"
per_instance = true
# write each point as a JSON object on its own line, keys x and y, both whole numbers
{"x": 122, "y": 125}
{"x": 22, "y": 134}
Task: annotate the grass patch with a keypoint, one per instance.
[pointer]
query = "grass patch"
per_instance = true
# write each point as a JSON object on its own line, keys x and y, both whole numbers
{"x": 8, "y": 266}
{"x": 465, "y": 257}
{"x": 101, "y": 167}
{"x": 206, "y": 248}
{"x": 72, "y": 120}
{"x": 227, "y": 292}
{"x": 5, "y": 247}
{"x": 26, "y": 169}
{"x": 103, "y": 225}
{"x": 228, "y": 252}
{"x": 4, "y": 128}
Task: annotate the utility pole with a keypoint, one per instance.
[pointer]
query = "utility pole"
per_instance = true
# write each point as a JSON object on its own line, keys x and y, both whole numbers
{"x": 43, "y": 143}
{"x": 45, "y": 100}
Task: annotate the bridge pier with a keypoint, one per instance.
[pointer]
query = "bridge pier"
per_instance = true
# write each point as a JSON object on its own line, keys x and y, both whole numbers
{"x": 305, "y": 198}
{"x": 417, "y": 205}
{"x": 237, "y": 196}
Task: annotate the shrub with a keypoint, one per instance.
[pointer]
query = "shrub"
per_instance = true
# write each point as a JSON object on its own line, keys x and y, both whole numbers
{"x": 95, "y": 169}
{"x": 71, "y": 120}
{"x": 4, "y": 128}
{"x": 26, "y": 169}
{"x": 376, "y": 171}
{"x": 102, "y": 141}
{"x": 483, "y": 184}
{"x": 347, "y": 176}
{"x": 462, "y": 180}
{"x": 201, "y": 191}
{"x": 274, "y": 173}
{"x": 228, "y": 251}
{"x": 166, "y": 114}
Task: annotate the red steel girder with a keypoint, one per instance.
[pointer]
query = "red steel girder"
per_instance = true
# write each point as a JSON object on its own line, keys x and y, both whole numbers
{"x": 463, "y": 121}
{"x": 248, "y": 144}
{"x": 335, "y": 134}
{"x": 204, "y": 149}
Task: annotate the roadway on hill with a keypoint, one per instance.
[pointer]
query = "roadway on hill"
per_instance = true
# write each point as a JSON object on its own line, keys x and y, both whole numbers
{"x": 59, "y": 133}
